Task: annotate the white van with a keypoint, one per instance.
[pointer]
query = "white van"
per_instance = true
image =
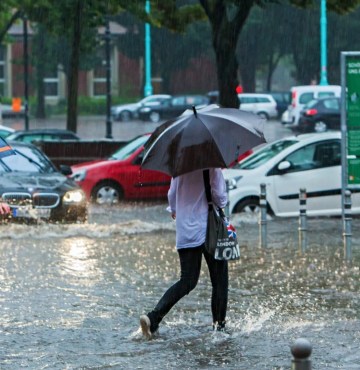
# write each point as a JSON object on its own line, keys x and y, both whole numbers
{"x": 301, "y": 95}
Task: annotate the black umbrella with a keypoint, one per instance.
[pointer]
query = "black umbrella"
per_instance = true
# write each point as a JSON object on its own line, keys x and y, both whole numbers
{"x": 209, "y": 137}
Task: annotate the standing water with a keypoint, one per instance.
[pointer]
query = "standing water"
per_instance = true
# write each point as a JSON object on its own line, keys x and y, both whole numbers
{"x": 71, "y": 296}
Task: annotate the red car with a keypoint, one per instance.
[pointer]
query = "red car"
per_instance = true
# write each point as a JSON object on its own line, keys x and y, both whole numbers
{"x": 120, "y": 176}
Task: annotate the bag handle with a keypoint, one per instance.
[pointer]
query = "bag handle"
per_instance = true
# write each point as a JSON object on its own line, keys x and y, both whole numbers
{"x": 206, "y": 176}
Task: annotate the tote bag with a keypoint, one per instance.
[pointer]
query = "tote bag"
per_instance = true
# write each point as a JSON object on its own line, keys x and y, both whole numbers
{"x": 221, "y": 240}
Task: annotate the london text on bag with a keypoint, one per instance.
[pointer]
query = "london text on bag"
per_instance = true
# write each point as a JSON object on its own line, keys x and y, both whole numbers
{"x": 221, "y": 240}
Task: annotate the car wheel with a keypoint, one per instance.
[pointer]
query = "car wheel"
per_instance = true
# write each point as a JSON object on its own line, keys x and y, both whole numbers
{"x": 249, "y": 206}
{"x": 154, "y": 117}
{"x": 320, "y": 126}
{"x": 263, "y": 115}
{"x": 107, "y": 192}
{"x": 125, "y": 116}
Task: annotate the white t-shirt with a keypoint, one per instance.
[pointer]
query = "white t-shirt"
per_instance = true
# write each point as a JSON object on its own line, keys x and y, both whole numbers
{"x": 187, "y": 198}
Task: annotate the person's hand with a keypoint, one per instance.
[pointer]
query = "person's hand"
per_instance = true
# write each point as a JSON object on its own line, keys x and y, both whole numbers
{"x": 173, "y": 215}
{"x": 4, "y": 209}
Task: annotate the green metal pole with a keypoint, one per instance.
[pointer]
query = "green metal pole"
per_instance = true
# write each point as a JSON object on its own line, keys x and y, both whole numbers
{"x": 148, "y": 90}
{"x": 323, "y": 66}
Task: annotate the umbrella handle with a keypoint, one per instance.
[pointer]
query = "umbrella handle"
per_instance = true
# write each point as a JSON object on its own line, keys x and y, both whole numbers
{"x": 194, "y": 110}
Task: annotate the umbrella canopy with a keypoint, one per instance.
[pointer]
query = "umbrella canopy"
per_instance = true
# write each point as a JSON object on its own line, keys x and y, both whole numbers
{"x": 5, "y": 148}
{"x": 209, "y": 137}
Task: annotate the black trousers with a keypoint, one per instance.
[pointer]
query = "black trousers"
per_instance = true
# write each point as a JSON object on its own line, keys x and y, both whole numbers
{"x": 190, "y": 263}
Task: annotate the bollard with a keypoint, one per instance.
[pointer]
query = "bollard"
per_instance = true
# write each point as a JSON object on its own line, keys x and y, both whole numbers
{"x": 301, "y": 350}
{"x": 347, "y": 226}
{"x": 262, "y": 216}
{"x": 302, "y": 222}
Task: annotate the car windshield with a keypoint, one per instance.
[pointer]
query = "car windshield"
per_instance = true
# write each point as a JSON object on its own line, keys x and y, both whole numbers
{"x": 263, "y": 155}
{"x": 126, "y": 151}
{"x": 27, "y": 159}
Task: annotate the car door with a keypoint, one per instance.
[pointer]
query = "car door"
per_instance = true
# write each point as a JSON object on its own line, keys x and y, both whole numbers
{"x": 176, "y": 107}
{"x": 316, "y": 168}
{"x": 147, "y": 183}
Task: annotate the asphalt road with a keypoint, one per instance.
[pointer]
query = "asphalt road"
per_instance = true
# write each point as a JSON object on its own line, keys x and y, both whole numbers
{"x": 94, "y": 127}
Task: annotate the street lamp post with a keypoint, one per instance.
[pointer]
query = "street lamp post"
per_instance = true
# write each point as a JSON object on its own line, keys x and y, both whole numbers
{"x": 26, "y": 73}
{"x": 148, "y": 90}
{"x": 323, "y": 67}
{"x": 108, "y": 81}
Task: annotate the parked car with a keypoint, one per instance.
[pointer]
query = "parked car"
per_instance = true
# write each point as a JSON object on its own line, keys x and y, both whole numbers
{"x": 283, "y": 100}
{"x": 262, "y": 104}
{"x": 5, "y": 131}
{"x": 301, "y": 95}
{"x": 320, "y": 115}
{"x": 120, "y": 176}
{"x": 310, "y": 161}
{"x": 34, "y": 188}
{"x": 44, "y": 134}
{"x": 173, "y": 107}
{"x": 126, "y": 112}
{"x": 285, "y": 118}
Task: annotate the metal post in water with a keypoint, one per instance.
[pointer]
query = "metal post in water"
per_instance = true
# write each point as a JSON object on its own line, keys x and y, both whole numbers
{"x": 302, "y": 221}
{"x": 262, "y": 219}
{"x": 347, "y": 226}
{"x": 301, "y": 350}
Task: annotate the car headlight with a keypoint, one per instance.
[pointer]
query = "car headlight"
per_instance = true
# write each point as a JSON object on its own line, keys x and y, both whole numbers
{"x": 233, "y": 182}
{"x": 79, "y": 176}
{"x": 74, "y": 196}
{"x": 145, "y": 110}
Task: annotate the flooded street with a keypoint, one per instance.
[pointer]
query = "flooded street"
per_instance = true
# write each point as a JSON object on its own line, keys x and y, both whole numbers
{"x": 71, "y": 296}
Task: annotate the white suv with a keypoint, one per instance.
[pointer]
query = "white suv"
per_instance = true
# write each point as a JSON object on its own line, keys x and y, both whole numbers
{"x": 263, "y": 105}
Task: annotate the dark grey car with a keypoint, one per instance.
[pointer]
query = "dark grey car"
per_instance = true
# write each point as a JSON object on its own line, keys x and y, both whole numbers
{"x": 35, "y": 189}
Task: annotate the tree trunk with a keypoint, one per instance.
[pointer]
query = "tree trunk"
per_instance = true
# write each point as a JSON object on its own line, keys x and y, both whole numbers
{"x": 248, "y": 76}
{"x": 40, "y": 73}
{"x": 227, "y": 20}
{"x": 72, "y": 87}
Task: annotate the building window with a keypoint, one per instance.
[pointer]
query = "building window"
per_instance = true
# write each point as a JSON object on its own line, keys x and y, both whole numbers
{"x": 51, "y": 83}
{"x": 99, "y": 80}
{"x": 2, "y": 70}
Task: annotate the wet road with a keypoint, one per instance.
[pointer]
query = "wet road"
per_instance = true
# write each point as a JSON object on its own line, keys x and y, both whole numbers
{"x": 71, "y": 296}
{"x": 94, "y": 127}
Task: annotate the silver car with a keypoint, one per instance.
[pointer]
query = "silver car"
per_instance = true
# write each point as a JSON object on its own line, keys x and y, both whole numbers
{"x": 126, "y": 112}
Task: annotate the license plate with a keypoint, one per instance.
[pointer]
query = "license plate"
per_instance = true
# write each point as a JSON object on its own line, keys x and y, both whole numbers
{"x": 27, "y": 212}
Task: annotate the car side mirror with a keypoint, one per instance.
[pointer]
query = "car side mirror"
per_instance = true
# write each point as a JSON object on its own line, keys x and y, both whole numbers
{"x": 284, "y": 166}
{"x": 65, "y": 170}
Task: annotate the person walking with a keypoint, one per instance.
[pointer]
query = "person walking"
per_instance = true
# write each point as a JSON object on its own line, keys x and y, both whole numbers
{"x": 189, "y": 208}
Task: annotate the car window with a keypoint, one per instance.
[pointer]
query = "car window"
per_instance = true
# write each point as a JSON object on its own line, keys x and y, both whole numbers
{"x": 263, "y": 99}
{"x": 178, "y": 101}
{"x": 126, "y": 151}
{"x": 263, "y": 155}
{"x": 313, "y": 156}
{"x": 4, "y": 133}
{"x": 306, "y": 97}
{"x": 333, "y": 104}
{"x": 26, "y": 160}
{"x": 31, "y": 138}
{"x": 324, "y": 94}
{"x": 247, "y": 100}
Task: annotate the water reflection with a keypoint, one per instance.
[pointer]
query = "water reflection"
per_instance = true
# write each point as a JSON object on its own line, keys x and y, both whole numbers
{"x": 79, "y": 260}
